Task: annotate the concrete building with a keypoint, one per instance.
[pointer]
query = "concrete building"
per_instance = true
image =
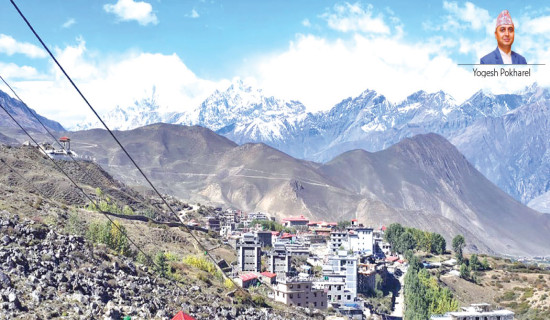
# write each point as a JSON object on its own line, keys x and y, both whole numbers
{"x": 299, "y": 292}
{"x": 279, "y": 259}
{"x": 247, "y": 280}
{"x": 258, "y": 216}
{"x": 481, "y": 311}
{"x": 213, "y": 223}
{"x": 360, "y": 240}
{"x": 250, "y": 252}
{"x": 340, "y": 278}
{"x": 264, "y": 237}
{"x": 338, "y": 239}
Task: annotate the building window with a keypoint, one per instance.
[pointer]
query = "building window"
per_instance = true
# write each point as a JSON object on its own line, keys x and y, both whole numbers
{"x": 315, "y": 294}
{"x": 315, "y": 304}
{"x": 291, "y": 296}
{"x": 322, "y": 303}
{"x": 298, "y": 286}
{"x": 299, "y": 304}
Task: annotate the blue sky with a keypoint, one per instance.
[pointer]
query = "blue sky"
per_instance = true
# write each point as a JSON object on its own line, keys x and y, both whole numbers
{"x": 318, "y": 52}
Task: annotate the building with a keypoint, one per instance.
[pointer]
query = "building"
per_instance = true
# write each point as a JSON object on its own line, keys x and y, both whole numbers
{"x": 360, "y": 241}
{"x": 299, "y": 292}
{"x": 250, "y": 252}
{"x": 340, "y": 278}
{"x": 300, "y": 221}
{"x": 268, "y": 277}
{"x": 247, "y": 280}
{"x": 257, "y": 216}
{"x": 366, "y": 276}
{"x": 338, "y": 239}
{"x": 264, "y": 237}
{"x": 279, "y": 259}
{"x": 481, "y": 311}
{"x": 213, "y": 223}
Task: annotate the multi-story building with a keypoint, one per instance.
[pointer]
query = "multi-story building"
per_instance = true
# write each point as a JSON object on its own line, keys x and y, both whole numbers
{"x": 360, "y": 241}
{"x": 257, "y": 216}
{"x": 264, "y": 237}
{"x": 250, "y": 252}
{"x": 279, "y": 260}
{"x": 213, "y": 223}
{"x": 338, "y": 239}
{"x": 340, "y": 278}
{"x": 299, "y": 292}
{"x": 476, "y": 311}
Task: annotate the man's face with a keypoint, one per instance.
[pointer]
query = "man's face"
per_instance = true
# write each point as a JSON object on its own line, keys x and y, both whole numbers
{"x": 505, "y": 35}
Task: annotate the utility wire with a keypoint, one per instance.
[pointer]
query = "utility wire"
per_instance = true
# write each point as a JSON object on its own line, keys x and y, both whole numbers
{"x": 54, "y": 138}
{"x": 120, "y": 144}
{"x": 89, "y": 198}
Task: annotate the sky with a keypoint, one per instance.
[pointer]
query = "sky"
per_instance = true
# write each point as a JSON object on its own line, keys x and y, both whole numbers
{"x": 318, "y": 52}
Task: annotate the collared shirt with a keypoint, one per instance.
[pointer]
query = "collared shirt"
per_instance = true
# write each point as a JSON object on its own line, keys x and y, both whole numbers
{"x": 506, "y": 57}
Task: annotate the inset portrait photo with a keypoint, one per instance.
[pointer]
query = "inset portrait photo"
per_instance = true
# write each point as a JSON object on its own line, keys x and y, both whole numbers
{"x": 504, "y": 34}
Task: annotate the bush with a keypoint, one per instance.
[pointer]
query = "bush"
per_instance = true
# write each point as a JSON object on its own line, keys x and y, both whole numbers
{"x": 202, "y": 263}
{"x": 258, "y": 300}
{"x": 111, "y": 234}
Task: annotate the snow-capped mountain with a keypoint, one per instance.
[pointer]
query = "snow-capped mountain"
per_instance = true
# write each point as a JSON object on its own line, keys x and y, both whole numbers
{"x": 371, "y": 122}
{"x": 244, "y": 114}
{"x": 141, "y": 113}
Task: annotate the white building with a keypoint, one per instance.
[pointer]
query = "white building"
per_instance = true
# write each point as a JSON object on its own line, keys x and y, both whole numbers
{"x": 250, "y": 252}
{"x": 360, "y": 241}
{"x": 340, "y": 278}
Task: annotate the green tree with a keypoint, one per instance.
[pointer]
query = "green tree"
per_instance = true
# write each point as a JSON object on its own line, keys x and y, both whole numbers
{"x": 406, "y": 242}
{"x": 485, "y": 264}
{"x": 161, "y": 264}
{"x": 458, "y": 247}
{"x": 464, "y": 271}
{"x": 438, "y": 244}
{"x": 392, "y": 234}
{"x": 474, "y": 263}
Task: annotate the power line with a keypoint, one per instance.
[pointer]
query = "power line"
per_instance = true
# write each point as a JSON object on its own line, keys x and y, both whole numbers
{"x": 118, "y": 142}
{"x": 89, "y": 198}
{"x": 54, "y": 138}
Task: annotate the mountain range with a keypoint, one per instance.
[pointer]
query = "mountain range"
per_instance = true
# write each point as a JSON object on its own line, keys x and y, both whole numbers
{"x": 499, "y": 134}
{"x": 421, "y": 181}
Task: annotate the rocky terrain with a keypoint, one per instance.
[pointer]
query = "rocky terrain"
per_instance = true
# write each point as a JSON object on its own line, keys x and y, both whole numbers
{"x": 50, "y": 269}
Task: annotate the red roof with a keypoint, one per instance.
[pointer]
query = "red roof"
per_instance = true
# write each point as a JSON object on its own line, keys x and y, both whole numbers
{"x": 64, "y": 139}
{"x": 300, "y": 218}
{"x": 383, "y": 228}
{"x": 274, "y": 233}
{"x": 182, "y": 316}
{"x": 353, "y": 219}
{"x": 268, "y": 274}
{"x": 248, "y": 277}
{"x": 288, "y": 235}
{"x": 392, "y": 259}
{"x": 332, "y": 223}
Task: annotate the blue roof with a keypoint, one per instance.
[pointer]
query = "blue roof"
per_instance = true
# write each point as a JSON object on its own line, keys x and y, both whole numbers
{"x": 352, "y": 305}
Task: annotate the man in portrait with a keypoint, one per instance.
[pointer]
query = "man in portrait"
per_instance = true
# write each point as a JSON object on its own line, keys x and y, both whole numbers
{"x": 504, "y": 33}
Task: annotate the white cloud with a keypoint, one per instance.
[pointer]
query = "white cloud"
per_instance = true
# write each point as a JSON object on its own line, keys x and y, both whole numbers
{"x": 306, "y": 23}
{"x": 194, "y": 14}
{"x": 475, "y": 17}
{"x": 540, "y": 25}
{"x": 113, "y": 81}
{"x": 321, "y": 73}
{"x": 348, "y": 17}
{"x": 69, "y": 23}
{"x": 13, "y": 71}
{"x": 10, "y": 46}
{"x": 128, "y": 10}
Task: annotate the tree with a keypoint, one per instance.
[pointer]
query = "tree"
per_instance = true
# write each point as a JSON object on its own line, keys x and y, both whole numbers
{"x": 160, "y": 263}
{"x": 406, "y": 242}
{"x": 474, "y": 263}
{"x": 438, "y": 244}
{"x": 485, "y": 264}
{"x": 99, "y": 193}
{"x": 392, "y": 234}
{"x": 458, "y": 246}
{"x": 464, "y": 271}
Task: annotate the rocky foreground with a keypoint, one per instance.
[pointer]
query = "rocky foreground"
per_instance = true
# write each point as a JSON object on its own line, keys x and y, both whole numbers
{"x": 48, "y": 275}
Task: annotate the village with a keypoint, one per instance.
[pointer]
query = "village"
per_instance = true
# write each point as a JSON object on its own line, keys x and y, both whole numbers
{"x": 324, "y": 265}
